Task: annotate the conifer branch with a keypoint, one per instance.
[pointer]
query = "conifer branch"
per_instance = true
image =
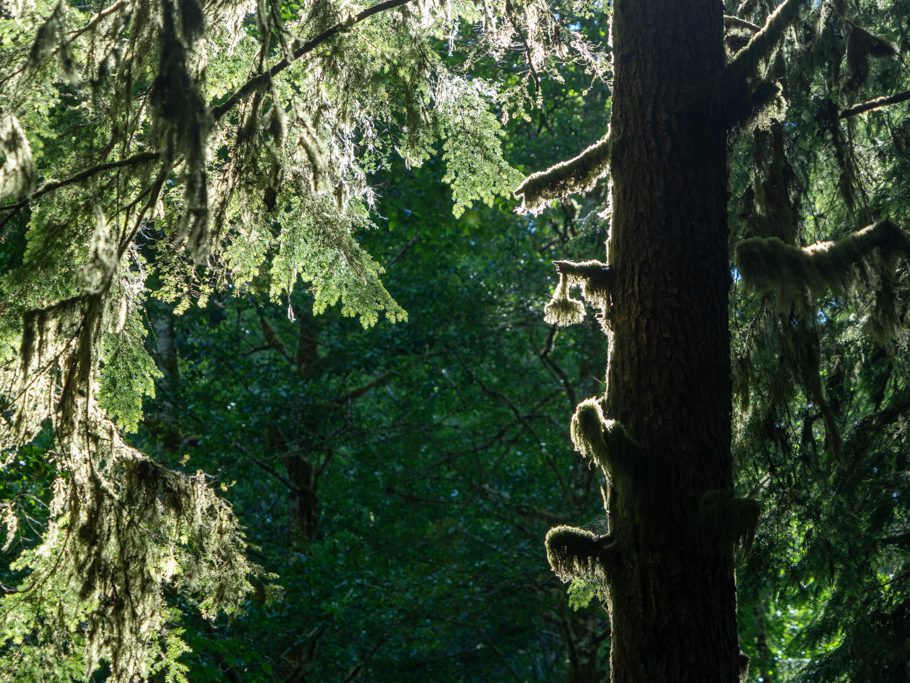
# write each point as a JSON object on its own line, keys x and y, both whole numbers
{"x": 578, "y": 174}
{"x": 876, "y": 103}
{"x": 595, "y": 278}
{"x": 574, "y": 552}
{"x": 736, "y": 22}
{"x": 85, "y": 174}
{"x": 761, "y": 44}
{"x": 217, "y": 112}
{"x": 261, "y": 80}
{"x": 770, "y": 265}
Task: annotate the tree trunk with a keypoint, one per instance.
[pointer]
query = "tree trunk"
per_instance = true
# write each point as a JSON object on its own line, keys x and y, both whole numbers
{"x": 671, "y": 584}
{"x": 166, "y": 422}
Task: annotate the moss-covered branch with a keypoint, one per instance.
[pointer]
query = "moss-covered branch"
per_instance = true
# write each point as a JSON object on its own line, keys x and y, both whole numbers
{"x": 262, "y": 80}
{"x": 876, "y": 103}
{"x": 736, "y": 22}
{"x": 596, "y": 282}
{"x": 769, "y": 265}
{"x": 605, "y": 441}
{"x": 578, "y": 174}
{"x": 574, "y": 552}
{"x": 761, "y": 44}
{"x": 594, "y": 277}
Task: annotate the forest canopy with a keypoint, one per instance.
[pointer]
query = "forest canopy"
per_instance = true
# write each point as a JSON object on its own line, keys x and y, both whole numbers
{"x": 284, "y": 398}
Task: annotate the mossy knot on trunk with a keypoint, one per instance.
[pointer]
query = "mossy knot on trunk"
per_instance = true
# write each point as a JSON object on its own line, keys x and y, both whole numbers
{"x": 576, "y": 553}
{"x": 605, "y": 441}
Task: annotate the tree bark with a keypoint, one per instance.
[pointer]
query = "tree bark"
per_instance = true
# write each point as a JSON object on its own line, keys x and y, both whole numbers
{"x": 166, "y": 422}
{"x": 670, "y": 577}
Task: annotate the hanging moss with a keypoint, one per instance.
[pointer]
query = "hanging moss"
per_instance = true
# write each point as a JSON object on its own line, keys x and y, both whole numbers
{"x": 861, "y": 45}
{"x": 578, "y": 174}
{"x": 183, "y": 126}
{"x": 562, "y": 309}
{"x": 17, "y": 170}
{"x": 771, "y": 266}
{"x": 577, "y": 553}
{"x": 593, "y": 277}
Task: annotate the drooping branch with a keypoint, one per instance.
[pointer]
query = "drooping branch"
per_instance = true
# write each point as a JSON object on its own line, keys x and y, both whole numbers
{"x": 578, "y": 174}
{"x": 876, "y": 103}
{"x": 261, "y": 80}
{"x": 761, "y": 44}
{"x": 218, "y": 111}
{"x": 769, "y": 265}
{"x": 574, "y": 552}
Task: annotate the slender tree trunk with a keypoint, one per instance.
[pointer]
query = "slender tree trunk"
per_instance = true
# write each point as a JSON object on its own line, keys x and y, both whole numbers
{"x": 673, "y": 597}
{"x": 166, "y": 423}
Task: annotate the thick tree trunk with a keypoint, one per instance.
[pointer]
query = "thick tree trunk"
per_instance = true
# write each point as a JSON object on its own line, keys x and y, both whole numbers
{"x": 672, "y": 592}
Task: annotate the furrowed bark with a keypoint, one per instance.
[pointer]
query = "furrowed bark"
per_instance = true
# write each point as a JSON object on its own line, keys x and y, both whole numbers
{"x": 672, "y": 592}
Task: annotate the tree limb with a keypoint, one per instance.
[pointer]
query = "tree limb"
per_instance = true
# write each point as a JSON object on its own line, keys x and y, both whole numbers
{"x": 218, "y": 111}
{"x": 877, "y": 103}
{"x": 736, "y": 22}
{"x": 574, "y": 552}
{"x": 262, "y": 79}
{"x": 85, "y": 174}
{"x": 578, "y": 174}
{"x": 770, "y": 265}
{"x": 761, "y": 44}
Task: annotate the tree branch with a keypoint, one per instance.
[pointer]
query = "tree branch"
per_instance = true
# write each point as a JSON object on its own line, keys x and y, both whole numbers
{"x": 770, "y": 265}
{"x": 877, "y": 103}
{"x": 85, "y": 174}
{"x": 574, "y": 552}
{"x": 764, "y": 41}
{"x": 262, "y": 79}
{"x": 218, "y": 111}
{"x": 578, "y": 174}
{"x": 736, "y": 22}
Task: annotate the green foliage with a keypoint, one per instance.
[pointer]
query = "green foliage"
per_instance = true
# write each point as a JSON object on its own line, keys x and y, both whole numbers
{"x": 128, "y": 373}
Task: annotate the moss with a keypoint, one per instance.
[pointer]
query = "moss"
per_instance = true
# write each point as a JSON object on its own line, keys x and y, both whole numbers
{"x": 771, "y": 266}
{"x": 17, "y": 171}
{"x": 578, "y": 174}
{"x": 594, "y": 278}
{"x": 576, "y": 553}
{"x": 562, "y": 309}
{"x": 762, "y": 42}
{"x": 606, "y": 442}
